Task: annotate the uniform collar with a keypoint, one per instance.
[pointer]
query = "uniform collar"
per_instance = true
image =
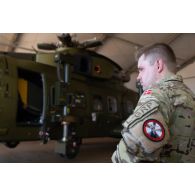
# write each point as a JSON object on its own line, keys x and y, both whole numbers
{"x": 172, "y": 78}
{"x": 177, "y": 78}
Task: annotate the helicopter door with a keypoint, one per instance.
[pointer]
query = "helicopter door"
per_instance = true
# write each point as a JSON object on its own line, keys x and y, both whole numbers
{"x": 96, "y": 115}
{"x": 105, "y": 118}
{"x": 127, "y": 107}
{"x": 7, "y": 95}
{"x": 113, "y": 122}
{"x": 30, "y": 97}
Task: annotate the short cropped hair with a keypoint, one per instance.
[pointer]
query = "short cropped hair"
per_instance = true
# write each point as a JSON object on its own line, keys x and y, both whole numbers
{"x": 159, "y": 50}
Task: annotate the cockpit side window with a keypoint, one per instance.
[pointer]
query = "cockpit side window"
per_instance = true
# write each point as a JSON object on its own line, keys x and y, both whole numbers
{"x": 128, "y": 107}
{"x": 112, "y": 104}
{"x": 97, "y": 103}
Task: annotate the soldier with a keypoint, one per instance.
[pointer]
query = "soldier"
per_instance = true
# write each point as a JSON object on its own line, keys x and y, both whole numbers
{"x": 162, "y": 126}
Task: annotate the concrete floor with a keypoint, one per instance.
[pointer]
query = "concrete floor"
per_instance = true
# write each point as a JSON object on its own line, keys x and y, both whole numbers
{"x": 96, "y": 150}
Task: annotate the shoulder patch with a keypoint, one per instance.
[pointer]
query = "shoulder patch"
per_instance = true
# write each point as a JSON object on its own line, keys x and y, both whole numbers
{"x": 147, "y": 92}
{"x": 143, "y": 111}
{"x": 153, "y": 130}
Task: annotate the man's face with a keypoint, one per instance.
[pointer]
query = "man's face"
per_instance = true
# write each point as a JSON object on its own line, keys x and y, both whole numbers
{"x": 147, "y": 72}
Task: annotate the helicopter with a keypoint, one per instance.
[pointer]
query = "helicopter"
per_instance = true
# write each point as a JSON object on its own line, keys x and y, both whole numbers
{"x": 63, "y": 92}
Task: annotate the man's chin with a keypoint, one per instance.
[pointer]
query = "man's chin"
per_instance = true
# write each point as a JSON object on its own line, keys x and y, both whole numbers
{"x": 145, "y": 88}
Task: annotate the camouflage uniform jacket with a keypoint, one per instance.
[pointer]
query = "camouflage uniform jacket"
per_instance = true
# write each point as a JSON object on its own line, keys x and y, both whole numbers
{"x": 162, "y": 126}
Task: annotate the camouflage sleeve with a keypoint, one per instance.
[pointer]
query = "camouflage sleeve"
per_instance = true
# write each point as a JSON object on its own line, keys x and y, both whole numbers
{"x": 145, "y": 133}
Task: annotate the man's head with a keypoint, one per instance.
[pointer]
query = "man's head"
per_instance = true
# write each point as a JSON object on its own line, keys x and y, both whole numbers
{"x": 154, "y": 63}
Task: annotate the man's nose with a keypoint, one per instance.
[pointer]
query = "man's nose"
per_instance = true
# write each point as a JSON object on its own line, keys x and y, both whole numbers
{"x": 138, "y": 78}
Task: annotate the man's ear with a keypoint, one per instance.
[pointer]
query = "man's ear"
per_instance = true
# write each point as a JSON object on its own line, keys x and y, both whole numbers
{"x": 160, "y": 65}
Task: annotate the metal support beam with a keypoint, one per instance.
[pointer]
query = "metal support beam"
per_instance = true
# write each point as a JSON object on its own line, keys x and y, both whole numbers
{"x": 104, "y": 38}
{"x": 187, "y": 62}
{"x": 125, "y": 40}
{"x": 174, "y": 38}
{"x": 15, "y": 41}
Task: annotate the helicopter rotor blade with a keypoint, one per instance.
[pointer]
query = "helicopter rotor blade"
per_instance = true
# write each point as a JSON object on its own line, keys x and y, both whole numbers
{"x": 90, "y": 43}
{"x": 47, "y": 46}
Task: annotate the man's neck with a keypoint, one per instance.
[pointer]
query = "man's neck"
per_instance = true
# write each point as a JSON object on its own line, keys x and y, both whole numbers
{"x": 165, "y": 75}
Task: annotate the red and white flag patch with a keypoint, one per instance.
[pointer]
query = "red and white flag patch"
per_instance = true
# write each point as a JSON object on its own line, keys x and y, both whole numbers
{"x": 147, "y": 92}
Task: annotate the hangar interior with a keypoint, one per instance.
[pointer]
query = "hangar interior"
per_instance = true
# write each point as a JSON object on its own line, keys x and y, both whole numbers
{"x": 120, "y": 47}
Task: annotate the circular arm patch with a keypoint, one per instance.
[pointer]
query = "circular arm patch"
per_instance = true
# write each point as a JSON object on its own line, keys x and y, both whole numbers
{"x": 153, "y": 130}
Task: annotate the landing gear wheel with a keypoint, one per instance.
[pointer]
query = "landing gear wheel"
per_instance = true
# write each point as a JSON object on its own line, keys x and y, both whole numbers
{"x": 72, "y": 147}
{"x": 11, "y": 144}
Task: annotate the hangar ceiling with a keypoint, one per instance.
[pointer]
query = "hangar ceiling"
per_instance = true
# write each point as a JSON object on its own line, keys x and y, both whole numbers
{"x": 120, "y": 47}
